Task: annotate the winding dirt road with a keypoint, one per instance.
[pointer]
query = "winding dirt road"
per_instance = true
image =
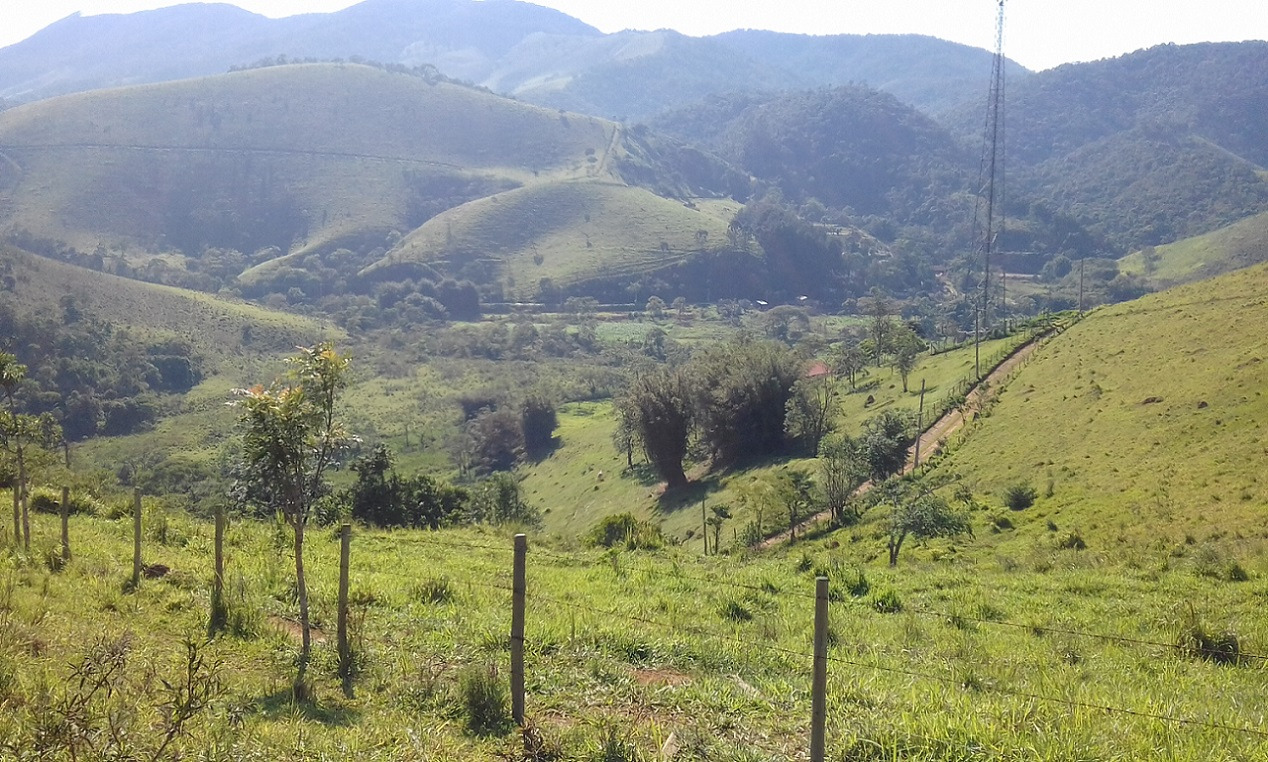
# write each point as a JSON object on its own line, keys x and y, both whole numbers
{"x": 930, "y": 441}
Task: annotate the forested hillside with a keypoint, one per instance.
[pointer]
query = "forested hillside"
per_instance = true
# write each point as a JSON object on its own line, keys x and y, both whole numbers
{"x": 1145, "y": 148}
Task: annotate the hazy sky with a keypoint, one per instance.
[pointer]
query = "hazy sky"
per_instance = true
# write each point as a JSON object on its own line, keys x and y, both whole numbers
{"x": 1040, "y": 33}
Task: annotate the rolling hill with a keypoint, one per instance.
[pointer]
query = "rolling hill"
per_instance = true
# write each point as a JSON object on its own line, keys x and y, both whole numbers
{"x": 284, "y": 161}
{"x": 1146, "y": 148}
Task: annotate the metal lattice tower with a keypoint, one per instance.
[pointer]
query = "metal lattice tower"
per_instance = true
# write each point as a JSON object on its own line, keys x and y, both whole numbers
{"x": 991, "y": 188}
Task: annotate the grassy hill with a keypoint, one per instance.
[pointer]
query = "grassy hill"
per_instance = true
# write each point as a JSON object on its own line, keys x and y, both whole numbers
{"x": 1241, "y": 244}
{"x": 219, "y": 328}
{"x": 1142, "y": 426}
{"x": 569, "y": 232}
{"x": 289, "y": 156}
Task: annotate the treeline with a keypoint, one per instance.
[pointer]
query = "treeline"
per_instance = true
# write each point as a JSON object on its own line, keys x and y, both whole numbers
{"x": 92, "y": 376}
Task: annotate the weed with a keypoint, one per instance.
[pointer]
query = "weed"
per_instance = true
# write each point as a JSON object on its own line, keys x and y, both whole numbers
{"x": 736, "y": 612}
{"x": 484, "y": 700}
{"x": 435, "y": 591}
{"x": 805, "y": 563}
{"x": 1000, "y": 523}
{"x": 887, "y": 602}
{"x": 1072, "y": 540}
{"x": 1198, "y": 641}
{"x": 615, "y": 747}
{"x": 1019, "y": 497}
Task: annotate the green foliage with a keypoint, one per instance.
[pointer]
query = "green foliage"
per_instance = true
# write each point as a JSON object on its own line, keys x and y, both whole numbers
{"x": 658, "y": 410}
{"x": 884, "y": 442}
{"x": 47, "y": 500}
{"x": 538, "y": 421}
{"x": 499, "y": 499}
{"x": 1197, "y": 640}
{"x": 485, "y": 700}
{"x": 626, "y": 530}
{"x": 887, "y": 602}
{"x": 920, "y": 513}
{"x": 842, "y": 469}
{"x": 1019, "y": 497}
{"x": 741, "y": 393}
{"x": 382, "y": 497}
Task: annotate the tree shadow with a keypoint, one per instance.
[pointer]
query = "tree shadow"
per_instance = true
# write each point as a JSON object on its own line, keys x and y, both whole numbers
{"x": 538, "y": 454}
{"x": 282, "y": 703}
{"x": 644, "y": 473}
{"x": 675, "y": 500}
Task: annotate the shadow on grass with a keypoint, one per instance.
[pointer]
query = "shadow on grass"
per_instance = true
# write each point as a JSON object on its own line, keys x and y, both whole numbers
{"x": 688, "y": 496}
{"x": 282, "y": 703}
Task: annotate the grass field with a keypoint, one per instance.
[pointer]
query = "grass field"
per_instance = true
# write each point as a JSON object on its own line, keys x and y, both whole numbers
{"x": 993, "y": 653}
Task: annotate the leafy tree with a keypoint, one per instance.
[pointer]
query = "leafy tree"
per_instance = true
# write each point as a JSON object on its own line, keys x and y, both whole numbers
{"x": 657, "y": 408}
{"x": 381, "y": 497}
{"x": 20, "y": 435}
{"x": 741, "y": 394}
{"x": 849, "y": 360}
{"x": 880, "y": 308}
{"x": 884, "y": 444}
{"x": 809, "y": 411}
{"x": 538, "y": 421}
{"x": 290, "y": 439}
{"x": 842, "y": 470}
{"x": 496, "y": 438}
{"x": 906, "y": 346}
{"x": 499, "y": 500}
{"x": 656, "y": 307}
{"x": 921, "y": 514}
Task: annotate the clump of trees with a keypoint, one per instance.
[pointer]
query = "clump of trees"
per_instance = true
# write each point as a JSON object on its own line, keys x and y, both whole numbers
{"x": 731, "y": 402}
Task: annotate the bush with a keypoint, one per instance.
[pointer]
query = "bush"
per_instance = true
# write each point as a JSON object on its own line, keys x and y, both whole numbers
{"x": 1072, "y": 541}
{"x": 45, "y": 500}
{"x": 1019, "y": 497}
{"x": 438, "y": 590}
{"x": 484, "y": 700}
{"x": 624, "y": 529}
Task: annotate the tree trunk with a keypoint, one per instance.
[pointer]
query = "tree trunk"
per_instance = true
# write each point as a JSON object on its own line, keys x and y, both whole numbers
{"x": 894, "y": 547}
{"x": 675, "y": 477}
{"x": 301, "y": 588}
{"x": 17, "y": 516}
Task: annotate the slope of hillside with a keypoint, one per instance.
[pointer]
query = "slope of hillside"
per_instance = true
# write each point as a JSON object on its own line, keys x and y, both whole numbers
{"x": 1145, "y": 422}
{"x": 1241, "y": 244}
{"x": 218, "y": 328}
{"x": 292, "y": 157}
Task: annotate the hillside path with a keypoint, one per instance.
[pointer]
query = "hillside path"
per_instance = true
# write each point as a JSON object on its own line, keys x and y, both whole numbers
{"x": 942, "y": 429}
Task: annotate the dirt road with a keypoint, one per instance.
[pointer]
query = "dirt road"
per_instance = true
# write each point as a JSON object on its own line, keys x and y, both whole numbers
{"x": 930, "y": 441}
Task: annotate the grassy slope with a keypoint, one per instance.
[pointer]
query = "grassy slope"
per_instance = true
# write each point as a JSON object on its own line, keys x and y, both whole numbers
{"x": 1147, "y": 418}
{"x": 213, "y": 325}
{"x": 1241, "y": 244}
{"x": 338, "y": 137}
{"x": 579, "y": 230}
{"x": 639, "y": 643}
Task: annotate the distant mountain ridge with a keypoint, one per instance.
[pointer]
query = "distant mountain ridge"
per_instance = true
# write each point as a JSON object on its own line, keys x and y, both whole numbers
{"x": 515, "y": 48}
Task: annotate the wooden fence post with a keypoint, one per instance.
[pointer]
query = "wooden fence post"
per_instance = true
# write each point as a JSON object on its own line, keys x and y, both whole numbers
{"x": 65, "y": 511}
{"x": 517, "y": 629}
{"x": 819, "y": 703}
{"x": 345, "y": 553}
{"x": 136, "y": 538}
{"x": 219, "y": 611}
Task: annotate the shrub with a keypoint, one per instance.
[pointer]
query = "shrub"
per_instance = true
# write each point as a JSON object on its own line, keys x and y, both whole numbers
{"x": 1001, "y": 523}
{"x": 1019, "y": 497}
{"x": 613, "y": 747}
{"x": 484, "y": 700}
{"x": 1072, "y": 541}
{"x": 624, "y": 529}
{"x": 1209, "y": 562}
{"x": 45, "y": 500}
{"x": 1199, "y": 642}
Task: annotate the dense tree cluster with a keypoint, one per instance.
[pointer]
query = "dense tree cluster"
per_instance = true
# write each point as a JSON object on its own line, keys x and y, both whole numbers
{"x": 93, "y": 377}
{"x": 733, "y": 400}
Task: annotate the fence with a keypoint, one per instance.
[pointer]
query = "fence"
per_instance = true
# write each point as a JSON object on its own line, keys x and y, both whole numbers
{"x": 817, "y": 662}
